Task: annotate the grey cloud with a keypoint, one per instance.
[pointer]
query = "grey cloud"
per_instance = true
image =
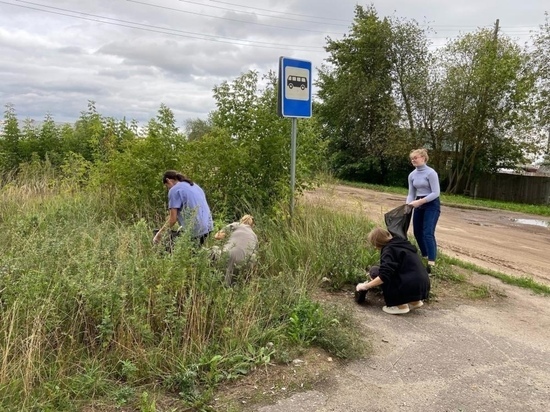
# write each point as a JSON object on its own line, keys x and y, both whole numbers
{"x": 55, "y": 64}
{"x": 126, "y": 73}
{"x": 72, "y": 50}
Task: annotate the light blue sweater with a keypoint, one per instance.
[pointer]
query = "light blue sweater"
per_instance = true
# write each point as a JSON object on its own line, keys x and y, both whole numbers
{"x": 423, "y": 181}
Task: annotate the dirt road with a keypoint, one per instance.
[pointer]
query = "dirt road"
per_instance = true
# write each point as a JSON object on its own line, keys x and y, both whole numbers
{"x": 449, "y": 356}
{"x": 512, "y": 243}
{"x": 453, "y": 354}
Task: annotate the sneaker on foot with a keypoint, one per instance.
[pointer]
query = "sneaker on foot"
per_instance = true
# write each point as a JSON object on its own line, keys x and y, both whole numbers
{"x": 418, "y": 305}
{"x": 394, "y": 310}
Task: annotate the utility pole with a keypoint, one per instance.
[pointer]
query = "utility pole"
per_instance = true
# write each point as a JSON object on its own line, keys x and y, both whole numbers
{"x": 495, "y": 35}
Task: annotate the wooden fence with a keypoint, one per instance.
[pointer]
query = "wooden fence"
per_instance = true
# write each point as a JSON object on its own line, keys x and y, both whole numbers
{"x": 519, "y": 188}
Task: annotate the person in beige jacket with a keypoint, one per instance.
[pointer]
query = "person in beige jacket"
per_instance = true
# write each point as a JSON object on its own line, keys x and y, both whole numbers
{"x": 239, "y": 248}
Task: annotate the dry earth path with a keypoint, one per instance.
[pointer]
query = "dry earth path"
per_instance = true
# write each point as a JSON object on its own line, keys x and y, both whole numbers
{"x": 448, "y": 356}
{"x": 454, "y": 354}
{"x": 513, "y": 243}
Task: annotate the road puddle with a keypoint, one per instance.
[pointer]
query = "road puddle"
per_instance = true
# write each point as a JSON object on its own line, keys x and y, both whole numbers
{"x": 533, "y": 222}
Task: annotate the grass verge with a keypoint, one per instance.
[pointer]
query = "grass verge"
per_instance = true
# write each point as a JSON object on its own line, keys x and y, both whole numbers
{"x": 522, "y": 282}
{"x": 95, "y": 317}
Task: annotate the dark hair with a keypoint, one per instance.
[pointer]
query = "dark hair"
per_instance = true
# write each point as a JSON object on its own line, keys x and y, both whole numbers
{"x": 172, "y": 174}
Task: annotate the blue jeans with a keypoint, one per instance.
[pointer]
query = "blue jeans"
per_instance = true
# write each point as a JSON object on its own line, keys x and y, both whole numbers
{"x": 425, "y": 219}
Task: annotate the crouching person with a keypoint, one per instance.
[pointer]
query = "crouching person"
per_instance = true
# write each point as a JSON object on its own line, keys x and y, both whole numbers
{"x": 401, "y": 274}
{"x": 239, "y": 248}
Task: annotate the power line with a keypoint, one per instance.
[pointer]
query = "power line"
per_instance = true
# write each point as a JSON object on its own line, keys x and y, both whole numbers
{"x": 286, "y": 18}
{"x": 279, "y": 12}
{"x": 444, "y": 27}
{"x": 158, "y": 29}
{"x": 228, "y": 18}
{"x": 269, "y": 25}
{"x": 187, "y": 34}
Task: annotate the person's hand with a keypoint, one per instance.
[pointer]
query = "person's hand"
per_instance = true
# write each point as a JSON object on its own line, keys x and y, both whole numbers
{"x": 361, "y": 286}
{"x": 415, "y": 203}
{"x": 219, "y": 235}
{"x": 156, "y": 239}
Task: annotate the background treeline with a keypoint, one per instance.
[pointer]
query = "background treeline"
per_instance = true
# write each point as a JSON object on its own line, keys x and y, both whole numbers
{"x": 240, "y": 154}
{"x": 478, "y": 104}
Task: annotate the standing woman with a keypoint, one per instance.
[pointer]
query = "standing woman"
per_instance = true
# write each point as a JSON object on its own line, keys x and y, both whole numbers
{"x": 188, "y": 207}
{"x": 424, "y": 197}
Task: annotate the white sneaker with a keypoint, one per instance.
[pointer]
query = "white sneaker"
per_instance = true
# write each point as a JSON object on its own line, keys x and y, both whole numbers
{"x": 394, "y": 310}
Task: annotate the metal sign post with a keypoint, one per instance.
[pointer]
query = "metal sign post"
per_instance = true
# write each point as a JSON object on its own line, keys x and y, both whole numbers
{"x": 294, "y": 101}
{"x": 293, "y": 163}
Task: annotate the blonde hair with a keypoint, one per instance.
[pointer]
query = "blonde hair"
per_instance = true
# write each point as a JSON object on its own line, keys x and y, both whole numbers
{"x": 420, "y": 152}
{"x": 247, "y": 220}
{"x": 379, "y": 237}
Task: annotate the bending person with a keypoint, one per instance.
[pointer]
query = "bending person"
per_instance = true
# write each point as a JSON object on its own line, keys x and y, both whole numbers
{"x": 424, "y": 197}
{"x": 240, "y": 247}
{"x": 401, "y": 274}
{"x": 188, "y": 207}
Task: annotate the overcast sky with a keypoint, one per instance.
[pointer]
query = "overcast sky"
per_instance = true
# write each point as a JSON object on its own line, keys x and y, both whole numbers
{"x": 130, "y": 56}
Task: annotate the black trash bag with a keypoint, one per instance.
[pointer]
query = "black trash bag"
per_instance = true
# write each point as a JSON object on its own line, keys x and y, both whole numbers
{"x": 398, "y": 221}
{"x": 360, "y": 296}
{"x": 374, "y": 271}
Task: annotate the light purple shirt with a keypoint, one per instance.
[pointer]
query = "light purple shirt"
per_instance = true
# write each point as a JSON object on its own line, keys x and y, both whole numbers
{"x": 424, "y": 182}
{"x": 193, "y": 210}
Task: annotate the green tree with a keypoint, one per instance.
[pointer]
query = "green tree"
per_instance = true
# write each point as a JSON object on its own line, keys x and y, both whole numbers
{"x": 259, "y": 141}
{"x": 247, "y": 155}
{"x": 357, "y": 108}
{"x": 486, "y": 95}
{"x": 29, "y": 139}
{"x": 411, "y": 64}
{"x": 49, "y": 145}
{"x": 197, "y": 128}
{"x": 130, "y": 179}
{"x": 84, "y": 139}
{"x": 414, "y": 82}
{"x": 10, "y": 150}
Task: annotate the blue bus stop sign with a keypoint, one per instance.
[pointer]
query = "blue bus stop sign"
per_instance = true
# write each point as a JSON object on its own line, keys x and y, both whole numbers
{"x": 294, "y": 88}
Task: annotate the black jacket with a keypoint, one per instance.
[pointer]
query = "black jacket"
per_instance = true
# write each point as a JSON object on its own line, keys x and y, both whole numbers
{"x": 405, "y": 277}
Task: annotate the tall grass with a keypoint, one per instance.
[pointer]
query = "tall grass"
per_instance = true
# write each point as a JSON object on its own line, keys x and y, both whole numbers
{"x": 329, "y": 245}
{"x": 90, "y": 310}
